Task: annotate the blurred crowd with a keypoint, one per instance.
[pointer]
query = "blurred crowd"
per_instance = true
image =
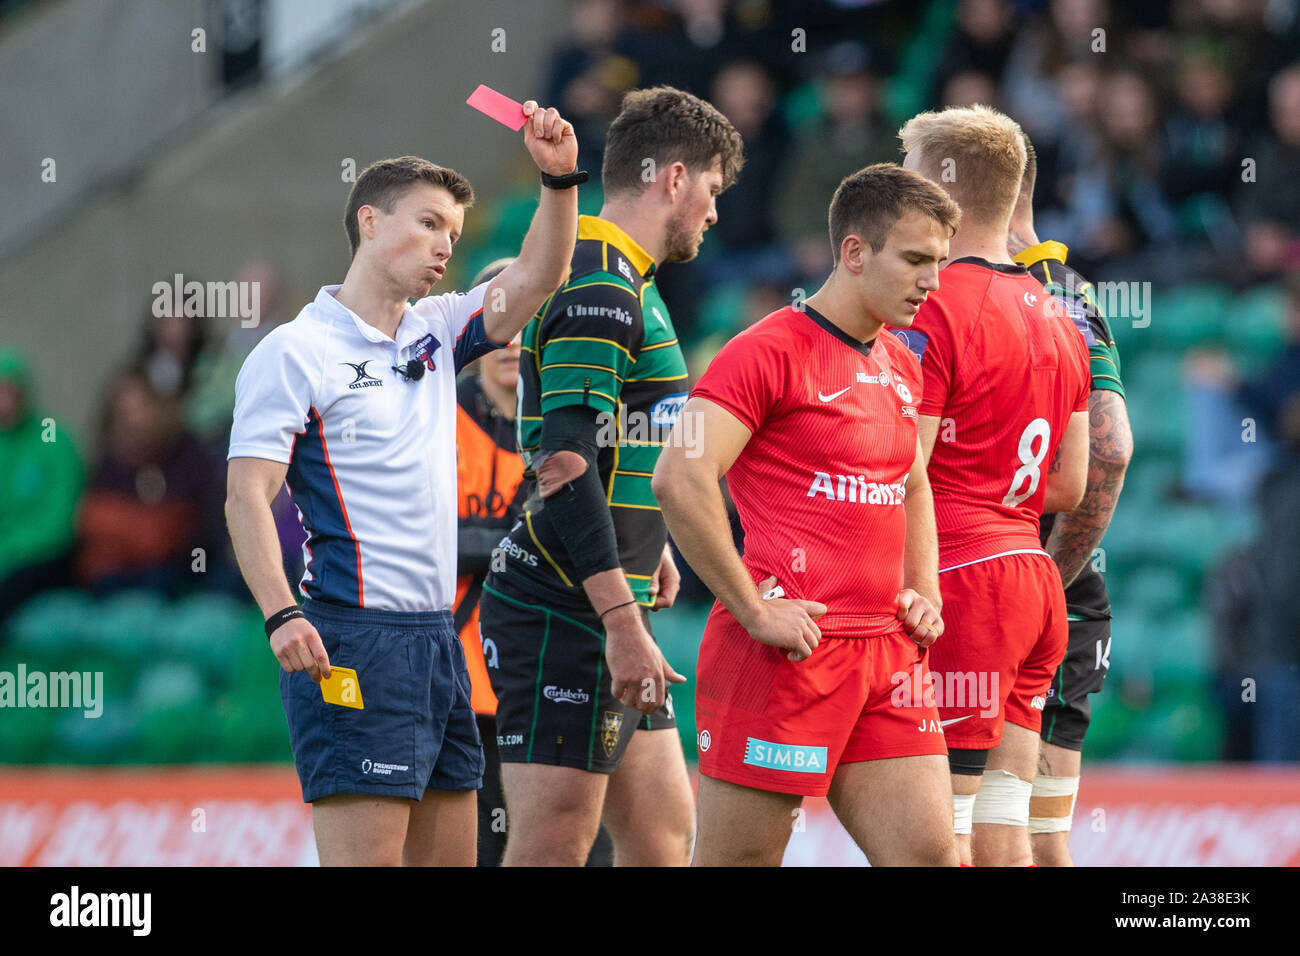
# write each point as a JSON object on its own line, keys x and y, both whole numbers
{"x": 141, "y": 504}
{"x": 1168, "y": 142}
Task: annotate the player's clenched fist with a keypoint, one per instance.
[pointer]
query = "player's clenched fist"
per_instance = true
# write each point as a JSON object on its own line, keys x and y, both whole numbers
{"x": 637, "y": 669}
{"x": 550, "y": 140}
{"x": 920, "y": 618}
{"x": 297, "y": 646}
{"x": 786, "y": 623}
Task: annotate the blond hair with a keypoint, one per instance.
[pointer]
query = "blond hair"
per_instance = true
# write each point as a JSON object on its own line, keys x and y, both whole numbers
{"x": 974, "y": 152}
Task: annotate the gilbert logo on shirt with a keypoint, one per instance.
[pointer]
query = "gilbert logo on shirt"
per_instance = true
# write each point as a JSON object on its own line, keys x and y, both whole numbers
{"x": 363, "y": 379}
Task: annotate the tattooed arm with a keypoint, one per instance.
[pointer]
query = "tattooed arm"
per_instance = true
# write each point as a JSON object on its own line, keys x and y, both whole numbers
{"x": 1110, "y": 445}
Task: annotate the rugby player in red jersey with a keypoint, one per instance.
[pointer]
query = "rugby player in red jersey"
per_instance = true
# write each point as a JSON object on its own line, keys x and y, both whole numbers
{"x": 811, "y": 414}
{"x": 1004, "y": 426}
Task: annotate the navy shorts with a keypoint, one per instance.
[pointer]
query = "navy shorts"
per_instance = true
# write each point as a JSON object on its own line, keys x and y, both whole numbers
{"x": 416, "y": 731}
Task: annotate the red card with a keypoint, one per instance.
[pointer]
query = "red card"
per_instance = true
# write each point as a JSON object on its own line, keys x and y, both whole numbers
{"x": 498, "y": 106}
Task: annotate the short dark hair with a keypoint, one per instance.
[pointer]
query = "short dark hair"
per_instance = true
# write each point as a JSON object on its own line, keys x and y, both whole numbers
{"x": 667, "y": 125}
{"x": 870, "y": 201}
{"x": 381, "y": 184}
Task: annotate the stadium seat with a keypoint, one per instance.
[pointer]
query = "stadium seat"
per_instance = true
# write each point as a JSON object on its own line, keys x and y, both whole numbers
{"x": 128, "y": 624}
{"x": 1258, "y": 323}
{"x": 1190, "y": 315}
{"x": 52, "y": 622}
{"x": 208, "y": 630}
{"x": 678, "y": 631}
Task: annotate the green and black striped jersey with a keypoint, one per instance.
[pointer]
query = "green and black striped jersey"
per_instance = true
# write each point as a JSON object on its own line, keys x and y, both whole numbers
{"x": 1046, "y": 262}
{"x": 604, "y": 340}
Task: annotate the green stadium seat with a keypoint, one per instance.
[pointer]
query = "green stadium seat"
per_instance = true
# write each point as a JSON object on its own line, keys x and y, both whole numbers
{"x": 1257, "y": 329}
{"x": 109, "y": 738}
{"x": 1181, "y": 646}
{"x": 1157, "y": 589}
{"x": 53, "y": 622}
{"x": 169, "y": 684}
{"x": 1154, "y": 394}
{"x": 29, "y": 734}
{"x": 678, "y": 631}
{"x": 1190, "y": 315}
{"x": 208, "y": 630}
{"x": 127, "y": 624}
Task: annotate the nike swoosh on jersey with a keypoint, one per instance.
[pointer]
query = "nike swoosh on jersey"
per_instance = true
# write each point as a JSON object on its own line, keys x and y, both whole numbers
{"x": 829, "y": 398}
{"x": 955, "y": 720}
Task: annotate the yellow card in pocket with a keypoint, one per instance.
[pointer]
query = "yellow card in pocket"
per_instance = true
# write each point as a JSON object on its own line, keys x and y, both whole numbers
{"x": 342, "y": 688}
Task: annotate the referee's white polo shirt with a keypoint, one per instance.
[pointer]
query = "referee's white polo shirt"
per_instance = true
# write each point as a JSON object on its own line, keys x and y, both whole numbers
{"x": 371, "y": 453}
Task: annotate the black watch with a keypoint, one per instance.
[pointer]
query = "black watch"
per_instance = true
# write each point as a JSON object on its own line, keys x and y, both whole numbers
{"x": 567, "y": 181}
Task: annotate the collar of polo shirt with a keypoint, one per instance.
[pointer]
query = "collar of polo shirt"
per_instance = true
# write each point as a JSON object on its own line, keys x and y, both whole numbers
{"x": 409, "y": 331}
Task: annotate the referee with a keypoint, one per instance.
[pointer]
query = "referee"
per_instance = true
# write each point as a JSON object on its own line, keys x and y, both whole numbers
{"x": 353, "y": 403}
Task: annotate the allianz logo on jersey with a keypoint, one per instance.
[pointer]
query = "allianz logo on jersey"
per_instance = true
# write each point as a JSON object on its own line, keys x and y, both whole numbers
{"x": 856, "y": 489}
{"x": 562, "y": 695}
{"x": 600, "y": 312}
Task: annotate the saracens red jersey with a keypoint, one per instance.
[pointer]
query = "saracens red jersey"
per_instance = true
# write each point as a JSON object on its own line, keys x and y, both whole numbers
{"x": 1004, "y": 369}
{"x": 820, "y": 485}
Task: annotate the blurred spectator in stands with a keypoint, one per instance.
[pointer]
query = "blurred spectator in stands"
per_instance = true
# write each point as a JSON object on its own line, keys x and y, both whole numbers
{"x": 210, "y": 403}
{"x": 1234, "y": 422}
{"x": 850, "y": 133}
{"x": 589, "y": 77}
{"x": 968, "y": 88}
{"x": 1059, "y": 36}
{"x": 1256, "y": 37}
{"x": 693, "y": 39}
{"x": 1270, "y": 205}
{"x": 40, "y": 483}
{"x": 1234, "y": 598}
{"x": 1204, "y": 148}
{"x": 171, "y": 346}
{"x": 1134, "y": 159}
{"x": 1254, "y": 606}
{"x": 1276, "y": 640}
{"x": 744, "y": 92}
{"x": 209, "y": 407}
{"x": 155, "y": 496}
{"x": 981, "y": 44}
{"x": 1072, "y": 184}
{"x": 1226, "y": 451}
{"x": 1267, "y": 395}
{"x": 239, "y": 26}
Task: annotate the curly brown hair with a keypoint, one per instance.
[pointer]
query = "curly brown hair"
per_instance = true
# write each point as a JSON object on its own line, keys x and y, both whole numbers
{"x": 667, "y": 125}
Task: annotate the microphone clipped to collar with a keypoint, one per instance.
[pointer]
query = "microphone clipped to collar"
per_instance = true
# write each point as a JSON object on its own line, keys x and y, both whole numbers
{"x": 413, "y": 372}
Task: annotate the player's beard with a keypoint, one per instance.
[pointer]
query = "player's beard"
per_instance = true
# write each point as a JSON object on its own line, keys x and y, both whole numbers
{"x": 680, "y": 243}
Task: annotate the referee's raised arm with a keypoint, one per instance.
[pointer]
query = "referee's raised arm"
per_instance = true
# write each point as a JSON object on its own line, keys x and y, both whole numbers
{"x": 543, "y": 261}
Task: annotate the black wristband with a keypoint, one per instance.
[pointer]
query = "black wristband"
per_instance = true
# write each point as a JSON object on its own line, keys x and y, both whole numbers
{"x": 280, "y": 617}
{"x": 567, "y": 181}
{"x": 601, "y": 615}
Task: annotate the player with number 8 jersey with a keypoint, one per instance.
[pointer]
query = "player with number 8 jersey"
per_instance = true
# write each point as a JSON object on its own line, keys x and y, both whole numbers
{"x": 1003, "y": 374}
{"x": 1006, "y": 378}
